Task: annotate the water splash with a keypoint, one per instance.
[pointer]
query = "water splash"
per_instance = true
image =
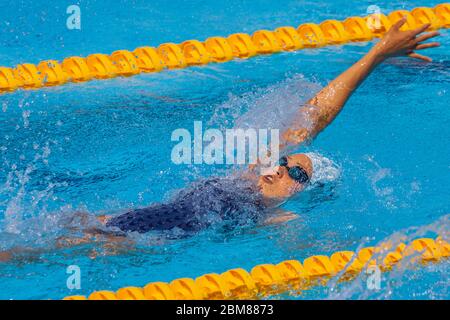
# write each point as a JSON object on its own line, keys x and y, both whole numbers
{"x": 272, "y": 107}
{"x": 21, "y": 199}
{"x": 324, "y": 169}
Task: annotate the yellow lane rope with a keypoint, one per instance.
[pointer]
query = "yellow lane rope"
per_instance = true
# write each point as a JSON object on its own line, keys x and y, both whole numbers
{"x": 215, "y": 49}
{"x": 286, "y": 276}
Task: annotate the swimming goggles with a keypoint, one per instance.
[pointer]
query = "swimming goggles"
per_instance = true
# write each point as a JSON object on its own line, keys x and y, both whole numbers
{"x": 297, "y": 173}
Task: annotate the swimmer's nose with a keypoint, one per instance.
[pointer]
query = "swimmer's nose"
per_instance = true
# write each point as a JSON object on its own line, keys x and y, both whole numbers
{"x": 276, "y": 174}
{"x": 281, "y": 171}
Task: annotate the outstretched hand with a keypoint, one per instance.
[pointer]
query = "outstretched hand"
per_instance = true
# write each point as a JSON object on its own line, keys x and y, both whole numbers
{"x": 397, "y": 43}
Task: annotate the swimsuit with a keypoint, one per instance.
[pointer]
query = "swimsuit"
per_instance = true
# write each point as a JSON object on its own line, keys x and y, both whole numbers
{"x": 217, "y": 200}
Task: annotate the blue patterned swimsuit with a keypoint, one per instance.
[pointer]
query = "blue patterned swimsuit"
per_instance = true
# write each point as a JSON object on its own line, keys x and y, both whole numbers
{"x": 232, "y": 201}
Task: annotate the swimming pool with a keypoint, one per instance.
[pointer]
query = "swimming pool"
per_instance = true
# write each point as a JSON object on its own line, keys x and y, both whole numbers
{"x": 104, "y": 146}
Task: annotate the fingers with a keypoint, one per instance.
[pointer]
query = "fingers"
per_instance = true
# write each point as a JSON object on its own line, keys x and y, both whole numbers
{"x": 419, "y": 57}
{"x": 399, "y": 23}
{"x": 421, "y": 29}
{"x": 427, "y": 45}
{"x": 426, "y": 36}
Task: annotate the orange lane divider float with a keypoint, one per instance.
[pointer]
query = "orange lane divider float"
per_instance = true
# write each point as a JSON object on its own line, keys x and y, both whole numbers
{"x": 286, "y": 276}
{"x": 215, "y": 49}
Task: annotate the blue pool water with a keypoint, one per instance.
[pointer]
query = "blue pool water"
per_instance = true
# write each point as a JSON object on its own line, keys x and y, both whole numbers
{"x": 104, "y": 146}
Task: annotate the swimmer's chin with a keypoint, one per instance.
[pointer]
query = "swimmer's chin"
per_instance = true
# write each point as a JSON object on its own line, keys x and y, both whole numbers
{"x": 273, "y": 200}
{"x": 269, "y": 202}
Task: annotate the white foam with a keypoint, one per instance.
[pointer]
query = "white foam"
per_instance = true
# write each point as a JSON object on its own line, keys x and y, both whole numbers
{"x": 324, "y": 169}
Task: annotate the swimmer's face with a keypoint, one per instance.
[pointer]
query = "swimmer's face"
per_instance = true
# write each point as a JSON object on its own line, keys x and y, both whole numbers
{"x": 279, "y": 185}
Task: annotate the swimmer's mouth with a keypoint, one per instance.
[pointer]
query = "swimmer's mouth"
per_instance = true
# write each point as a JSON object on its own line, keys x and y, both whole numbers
{"x": 268, "y": 179}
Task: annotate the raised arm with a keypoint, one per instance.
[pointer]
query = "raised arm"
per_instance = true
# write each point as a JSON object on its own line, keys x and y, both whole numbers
{"x": 325, "y": 106}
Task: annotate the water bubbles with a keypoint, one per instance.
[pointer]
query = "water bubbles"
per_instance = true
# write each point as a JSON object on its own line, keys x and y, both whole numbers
{"x": 46, "y": 151}
{"x": 380, "y": 183}
{"x": 25, "y": 116}
{"x": 415, "y": 187}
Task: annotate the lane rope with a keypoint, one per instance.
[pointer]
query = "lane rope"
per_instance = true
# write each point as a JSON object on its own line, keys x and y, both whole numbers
{"x": 124, "y": 63}
{"x": 287, "y": 276}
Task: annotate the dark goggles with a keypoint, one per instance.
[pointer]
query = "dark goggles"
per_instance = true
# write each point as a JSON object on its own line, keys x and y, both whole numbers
{"x": 297, "y": 173}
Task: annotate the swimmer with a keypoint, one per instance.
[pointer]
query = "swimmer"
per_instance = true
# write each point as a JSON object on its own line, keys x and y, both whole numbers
{"x": 227, "y": 199}
{"x": 236, "y": 200}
